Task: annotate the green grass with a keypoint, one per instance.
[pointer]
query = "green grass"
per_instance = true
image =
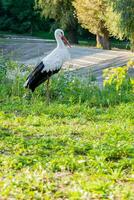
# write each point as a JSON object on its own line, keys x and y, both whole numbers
{"x": 44, "y": 35}
{"x": 66, "y": 151}
{"x": 79, "y": 147}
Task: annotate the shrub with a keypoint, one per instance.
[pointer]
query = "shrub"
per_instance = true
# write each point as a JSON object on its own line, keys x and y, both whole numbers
{"x": 118, "y": 86}
{"x": 11, "y": 79}
{"x": 118, "y": 83}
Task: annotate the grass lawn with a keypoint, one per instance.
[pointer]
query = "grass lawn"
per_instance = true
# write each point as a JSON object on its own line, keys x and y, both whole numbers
{"x": 66, "y": 151}
{"x": 79, "y": 147}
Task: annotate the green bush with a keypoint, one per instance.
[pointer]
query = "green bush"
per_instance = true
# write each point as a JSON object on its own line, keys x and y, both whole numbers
{"x": 118, "y": 86}
{"x": 11, "y": 79}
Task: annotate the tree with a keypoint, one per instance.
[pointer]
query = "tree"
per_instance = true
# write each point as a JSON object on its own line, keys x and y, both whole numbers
{"x": 18, "y": 16}
{"x": 91, "y": 15}
{"x": 62, "y": 11}
{"x": 121, "y": 19}
{"x": 1, "y": 10}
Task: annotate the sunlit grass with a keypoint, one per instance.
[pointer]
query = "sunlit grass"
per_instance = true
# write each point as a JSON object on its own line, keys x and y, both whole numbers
{"x": 79, "y": 147}
{"x": 66, "y": 151}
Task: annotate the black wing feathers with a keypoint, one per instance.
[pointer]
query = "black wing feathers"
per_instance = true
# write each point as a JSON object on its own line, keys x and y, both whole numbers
{"x": 37, "y": 76}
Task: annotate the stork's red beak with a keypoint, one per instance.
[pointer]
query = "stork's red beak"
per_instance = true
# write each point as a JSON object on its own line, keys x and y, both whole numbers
{"x": 65, "y": 41}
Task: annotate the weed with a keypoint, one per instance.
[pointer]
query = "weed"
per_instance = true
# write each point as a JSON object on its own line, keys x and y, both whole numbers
{"x": 79, "y": 147}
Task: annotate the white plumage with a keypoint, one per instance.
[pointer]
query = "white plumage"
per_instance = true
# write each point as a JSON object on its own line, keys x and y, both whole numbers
{"x": 56, "y": 58}
{"x": 51, "y": 64}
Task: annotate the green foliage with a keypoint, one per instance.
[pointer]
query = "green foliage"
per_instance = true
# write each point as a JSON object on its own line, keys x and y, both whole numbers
{"x": 11, "y": 79}
{"x": 19, "y": 16}
{"x": 62, "y": 11}
{"x": 117, "y": 76}
{"x": 70, "y": 90}
{"x": 92, "y": 16}
{"x": 78, "y": 147}
{"x": 123, "y": 23}
{"x": 3, "y": 69}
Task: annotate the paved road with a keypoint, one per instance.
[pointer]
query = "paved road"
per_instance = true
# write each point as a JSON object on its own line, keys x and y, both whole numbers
{"x": 84, "y": 60}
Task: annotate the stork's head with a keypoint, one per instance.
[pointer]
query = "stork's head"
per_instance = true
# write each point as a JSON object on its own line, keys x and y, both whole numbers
{"x": 59, "y": 35}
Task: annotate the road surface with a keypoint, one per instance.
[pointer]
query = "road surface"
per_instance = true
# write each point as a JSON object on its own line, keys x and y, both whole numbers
{"x": 84, "y": 60}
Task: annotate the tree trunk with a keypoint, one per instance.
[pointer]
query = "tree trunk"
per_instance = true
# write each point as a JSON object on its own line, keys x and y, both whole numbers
{"x": 103, "y": 41}
{"x": 106, "y": 43}
{"x": 99, "y": 43}
{"x": 132, "y": 43}
{"x": 72, "y": 36}
{"x": 102, "y": 36}
{"x": 132, "y": 47}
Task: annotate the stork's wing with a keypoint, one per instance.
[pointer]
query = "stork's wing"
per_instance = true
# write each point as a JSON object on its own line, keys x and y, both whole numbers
{"x": 53, "y": 61}
{"x": 36, "y": 71}
{"x": 34, "y": 75}
{"x": 38, "y": 76}
{"x": 50, "y": 65}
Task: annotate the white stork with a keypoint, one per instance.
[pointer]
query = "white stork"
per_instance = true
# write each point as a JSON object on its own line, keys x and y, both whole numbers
{"x": 51, "y": 64}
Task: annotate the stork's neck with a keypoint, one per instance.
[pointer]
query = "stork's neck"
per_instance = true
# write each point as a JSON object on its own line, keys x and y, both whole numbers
{"x": 60, "y": 43}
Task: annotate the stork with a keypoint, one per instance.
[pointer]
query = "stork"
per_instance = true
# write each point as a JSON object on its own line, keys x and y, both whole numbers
{"x": 50, "y": 64}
